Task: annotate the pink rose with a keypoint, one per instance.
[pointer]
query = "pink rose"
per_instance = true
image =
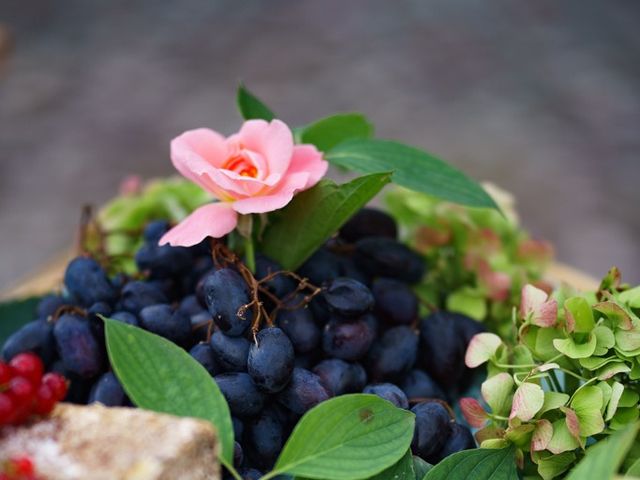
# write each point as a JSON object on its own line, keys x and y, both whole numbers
{"x": 256, "y": 170}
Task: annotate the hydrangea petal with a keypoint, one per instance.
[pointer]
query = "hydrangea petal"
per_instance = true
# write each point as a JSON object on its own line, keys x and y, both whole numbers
{"x": 473, "y": 412}
{"x": 481, "y": 348}
{"x": 527, "y": 401}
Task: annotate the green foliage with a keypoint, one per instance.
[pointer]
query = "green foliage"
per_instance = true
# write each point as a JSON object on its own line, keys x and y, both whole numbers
{"x": 477, "y": 464}
{"x": 478, "y": 259}
{"x": 313, "y": 216}
{"x": 252, "y": 107}
{"x": 14, "y": 314}
{"x": 413, "y": 168}
{"x": 328, "y": 132}
{"x": 564, "y": 384}
{"x": 160, "y": 376}
{"x": 349, "y": 437}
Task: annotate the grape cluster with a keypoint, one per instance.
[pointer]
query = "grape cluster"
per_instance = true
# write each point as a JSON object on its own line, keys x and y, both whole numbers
{"x": 25, "y": 391}
{"x": 361, "y": 332}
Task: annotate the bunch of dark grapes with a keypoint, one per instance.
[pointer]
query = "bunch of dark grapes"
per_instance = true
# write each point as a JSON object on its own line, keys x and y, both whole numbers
{"x": 361, "y": 333}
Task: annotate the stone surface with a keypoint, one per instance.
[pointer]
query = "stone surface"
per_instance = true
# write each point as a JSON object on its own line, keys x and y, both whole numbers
{"x": 82, "y": 442}
{"x": 541, "y": 97}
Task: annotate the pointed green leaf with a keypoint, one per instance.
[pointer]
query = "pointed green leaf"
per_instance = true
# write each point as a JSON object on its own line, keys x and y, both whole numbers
{"x": 477, "y": 464}
{"x": 420, "y": 467}
{"x": 412, "y": 168}
{"x": 251, "y": 107}
{"x": 348, "y": 437}
{"x": 328, "y": 132}
{"x": 401, "y": 470}
{"x": 160, "y": 376}
{"x": 296, "y": 231}
{"x": 603, "y": 459}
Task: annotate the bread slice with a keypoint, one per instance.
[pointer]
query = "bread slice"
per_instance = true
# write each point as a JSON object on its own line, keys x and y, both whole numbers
{"x": 99, "y": 443}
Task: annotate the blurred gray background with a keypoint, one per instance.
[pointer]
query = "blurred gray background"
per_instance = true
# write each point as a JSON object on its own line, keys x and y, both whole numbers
{"x": 541, "y": 97}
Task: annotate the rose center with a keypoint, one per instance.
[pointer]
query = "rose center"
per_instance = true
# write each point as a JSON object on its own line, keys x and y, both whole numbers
{"x": 242, "y": 166}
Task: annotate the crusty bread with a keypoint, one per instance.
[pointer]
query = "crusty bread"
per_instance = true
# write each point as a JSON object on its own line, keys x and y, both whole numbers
{"x": 99, "y": 443}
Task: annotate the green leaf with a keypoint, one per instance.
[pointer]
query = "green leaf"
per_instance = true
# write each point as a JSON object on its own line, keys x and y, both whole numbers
{"x": 477, "y": 464}
{"x": 313, "y": 216}
{"x": 14, "y": 314}
{"x": 328, "y": 132}
{"x": 160, "y": 376}
{"x": 251, "y": 107}
{"x": 603, "y": 459}
{"x": 412, "y": 168}
{"x": 346, "y": 438}
{"x": 420, "y": 467}
{"x": 468, "y": 301}
{"x": 401, "y": 470}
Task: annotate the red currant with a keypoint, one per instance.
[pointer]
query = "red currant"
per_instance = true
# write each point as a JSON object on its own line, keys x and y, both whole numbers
{"x": 23, "y": 393}
{"x": 29, "y": 366}
{"x": 5, "y": 373}
{"x": 7, "y": 409}
{"x": 45, "y": 400}
{"x": 57, "y": 383}
{"x": 22, "y": 466}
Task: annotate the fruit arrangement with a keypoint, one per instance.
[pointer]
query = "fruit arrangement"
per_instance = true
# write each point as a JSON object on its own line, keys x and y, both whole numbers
{"x": 326, "y": 339}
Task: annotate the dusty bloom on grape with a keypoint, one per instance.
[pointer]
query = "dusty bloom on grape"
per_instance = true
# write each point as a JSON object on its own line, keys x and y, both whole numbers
{"x": 257, "y": 170}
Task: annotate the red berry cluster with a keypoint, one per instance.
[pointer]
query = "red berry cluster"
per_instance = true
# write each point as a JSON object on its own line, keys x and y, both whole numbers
{"x": 18, "y": 468}
{"x": 25, "y": 391}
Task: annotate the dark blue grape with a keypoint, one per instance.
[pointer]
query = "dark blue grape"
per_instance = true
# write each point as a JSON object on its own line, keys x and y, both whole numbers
{"x": 203, "y": 353}
{"x": 349, "y": 269}
{"x": 280, "y": 285}
{"x": 238, "y": 454}
{"x": 393, "y": 354}
{"x": 87, "y": 282}
{"x": 432, "y": 430}
{"x": 299, "y": 326}
{"x": 238, "y": 427}
{"x": 459, "y": 439}
{"x": 395, "y": 301}
{"x": 369, "y": 222}
{"x": 190, "y": 305}
{"x": 241, "y": 393}
{"x": 347, "y": 340}
{"x": 323, "y": 266}
{"x": 108, "y": 391}
{"x": 340, "y": 377}
{"x": 418, "y": 384}
{"x": 126, "y": 317}
{"x": 225, "y": 293}
{"x": 36, "y": 337}
{"x": 250, "y": 474}
{"x": 154, "y": 230}
{"x": 389, "y": 392}
{"x": 385, "y": 257}
{"x": 162, "y": 320}
{"x": 137, "y": 295}
{"x": 308, "y": 360}
{"x": 94, "y": 314}
{"x": 442, "y": 349}
{"x": 48, "y": 305}
{"x": 77, "y": 346}
{"x": 265, "y": 437}
{"x": 201, "y": 323}
{"x": 163, "y": 261}
{"x": 304, "y": 392}
{"x": 231, "y": 353}
{"x": 348, "y": 297}
{"x": 270, "y": 361}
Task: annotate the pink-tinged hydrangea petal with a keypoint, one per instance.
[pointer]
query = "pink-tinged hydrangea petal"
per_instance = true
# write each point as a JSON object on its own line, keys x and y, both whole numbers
{"x": 211, "y": 220}
{"x": 307, "y": 158}
{"x": 473, "y": 412}
{"x": 498, "y": 284}
{"x": 527, "y": 401}
{"x": 537, "y": 307}
{"x": 541, "y": 435}
{"x": 272, "y": 139}
{"x": 277, "y": 198}
{"x": 496, "y": 391}
{"x": 481, "y": 348}
{"x": 573, "y": 423}
{"x": 546, "y": 367}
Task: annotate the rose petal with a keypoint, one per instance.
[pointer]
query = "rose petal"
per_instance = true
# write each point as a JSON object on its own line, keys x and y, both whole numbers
{"x": 273, "y": 140}
{"x": 278, "y": 198}
{"x": 307, "y": 158}
{"x": 212, "y": 220}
